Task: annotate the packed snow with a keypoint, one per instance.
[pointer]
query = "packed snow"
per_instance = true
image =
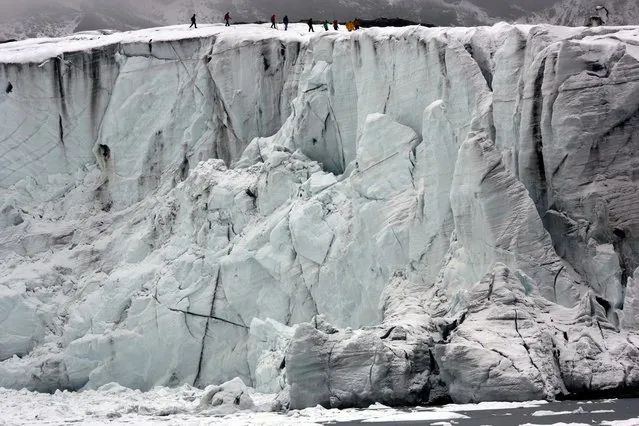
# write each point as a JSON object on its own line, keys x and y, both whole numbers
{"x": 557, "y": 424}
{"x": 187, "y": 405}
{"x": 542, "y": 413}
{"x": 627, "y": 422}
{"x": 396, "y": 216}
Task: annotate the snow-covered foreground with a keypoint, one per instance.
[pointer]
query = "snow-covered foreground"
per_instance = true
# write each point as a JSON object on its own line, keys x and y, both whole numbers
{"x": 403, "y": 216}
{"x": 113, "y": 404}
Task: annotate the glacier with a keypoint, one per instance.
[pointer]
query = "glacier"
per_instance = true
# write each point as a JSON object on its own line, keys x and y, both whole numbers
{"x": 401, "y": 216}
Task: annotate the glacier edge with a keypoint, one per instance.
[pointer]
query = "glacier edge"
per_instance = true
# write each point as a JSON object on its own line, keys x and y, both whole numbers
{"x": 347, "y": 218}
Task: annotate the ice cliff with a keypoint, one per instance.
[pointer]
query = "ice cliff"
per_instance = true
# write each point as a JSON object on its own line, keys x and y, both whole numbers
{"x": 394, "y": 215}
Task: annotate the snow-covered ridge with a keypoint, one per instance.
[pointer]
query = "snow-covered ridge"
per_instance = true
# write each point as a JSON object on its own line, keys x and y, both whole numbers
{"x": 393, "y": 215}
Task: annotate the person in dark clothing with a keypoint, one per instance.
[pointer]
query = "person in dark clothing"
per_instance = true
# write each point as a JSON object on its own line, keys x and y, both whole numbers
{"x": 193, "y": 24}
{"x": 273, "y": 25}
{"x": 227, "y": 18}
{"x": 357, "y": 23}
{"x": 335, "y": 26}
{"x": 600, "y": 8}
{"x": 285, "y": 20}
{"x": 598, "y": 20}
{"x": 325, "y": 24}
{"x": 310, "y": 26}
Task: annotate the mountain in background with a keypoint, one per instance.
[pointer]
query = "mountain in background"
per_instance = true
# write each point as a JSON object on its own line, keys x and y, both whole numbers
{"x": 46, "y": 18}
{"x": 574, "y": 12}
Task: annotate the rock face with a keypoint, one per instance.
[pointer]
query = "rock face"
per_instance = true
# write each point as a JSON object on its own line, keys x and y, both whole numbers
{"x": 400, "y": 216}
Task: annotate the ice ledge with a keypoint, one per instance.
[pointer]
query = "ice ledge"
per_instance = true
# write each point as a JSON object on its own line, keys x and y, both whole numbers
{"x": 40, "y": 49}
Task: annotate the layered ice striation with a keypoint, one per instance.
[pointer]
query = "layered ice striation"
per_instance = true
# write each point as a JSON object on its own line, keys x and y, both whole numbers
{"x": 400, "y": 216}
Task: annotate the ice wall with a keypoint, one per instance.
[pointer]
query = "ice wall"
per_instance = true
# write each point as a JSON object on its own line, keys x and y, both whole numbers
{"x": 136, "y": 108}
{"x": 393, "y": 215}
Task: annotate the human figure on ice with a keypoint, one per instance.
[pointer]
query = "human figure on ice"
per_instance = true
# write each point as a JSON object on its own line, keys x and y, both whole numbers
{"x": 598, "y": 19}
{"x": 193, "y": 24}
{"x": 602, "y": 9}
{"x": 227, "y": 18}
{"x": 285, "y": 20}
{"x": 310, "y": 25}
{"x": 273, "y": 24}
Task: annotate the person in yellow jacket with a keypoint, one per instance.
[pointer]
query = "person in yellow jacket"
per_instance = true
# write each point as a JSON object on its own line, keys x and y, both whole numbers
{"x": 350, "y": 26}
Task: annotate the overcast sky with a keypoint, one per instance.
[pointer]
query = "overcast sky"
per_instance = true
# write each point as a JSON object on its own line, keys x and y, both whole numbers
{"x": 11, "y": 7}
{"x": 420, "y": 10}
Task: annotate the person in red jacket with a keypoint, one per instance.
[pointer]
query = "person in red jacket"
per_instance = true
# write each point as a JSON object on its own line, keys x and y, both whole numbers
{"x": 227, "y": 18}
{"x": 273, "y": 24}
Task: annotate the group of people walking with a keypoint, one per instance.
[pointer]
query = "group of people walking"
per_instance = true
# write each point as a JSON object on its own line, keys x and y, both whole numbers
{"x": 350, "y": 25}
{"x": 284, "y": 21}
{"x": 227, "y": 19}
{"x": 354, "y": 25}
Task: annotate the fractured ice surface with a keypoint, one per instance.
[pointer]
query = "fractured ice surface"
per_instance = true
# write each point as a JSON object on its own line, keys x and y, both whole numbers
{"x": 399, "y": 216}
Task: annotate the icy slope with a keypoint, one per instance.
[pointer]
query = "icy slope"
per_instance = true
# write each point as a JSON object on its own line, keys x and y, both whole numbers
{"x": 190, "y": 206}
